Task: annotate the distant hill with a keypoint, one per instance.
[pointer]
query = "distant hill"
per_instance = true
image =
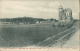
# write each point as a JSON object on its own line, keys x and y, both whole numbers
{"x": 25, "y": 20}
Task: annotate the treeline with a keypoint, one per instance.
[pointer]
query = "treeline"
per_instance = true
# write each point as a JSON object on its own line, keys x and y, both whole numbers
{"x": 26, "y": 20}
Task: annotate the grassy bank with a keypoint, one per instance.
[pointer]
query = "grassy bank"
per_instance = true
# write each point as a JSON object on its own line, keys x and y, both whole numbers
{"x": 25, "y": 35}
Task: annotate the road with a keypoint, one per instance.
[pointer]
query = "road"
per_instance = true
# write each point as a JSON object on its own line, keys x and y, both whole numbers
{"x": 73, "y": 41}
{"x": 60, "y": 39}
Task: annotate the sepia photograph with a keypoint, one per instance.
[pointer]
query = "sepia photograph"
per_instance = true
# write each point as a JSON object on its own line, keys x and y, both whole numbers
{"x": 39, "y": 24}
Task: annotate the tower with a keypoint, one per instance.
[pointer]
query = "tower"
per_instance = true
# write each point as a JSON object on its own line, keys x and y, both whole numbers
{"x": 60, "y": 12}
{"x": 68, "y": 14}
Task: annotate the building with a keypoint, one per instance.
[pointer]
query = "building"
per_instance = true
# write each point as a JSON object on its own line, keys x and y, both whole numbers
{"x": 65, "y": 14}
{"x": 65, "y": 18}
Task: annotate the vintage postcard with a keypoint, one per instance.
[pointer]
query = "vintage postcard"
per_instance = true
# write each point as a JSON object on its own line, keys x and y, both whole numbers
{"x": 39, "y": 25}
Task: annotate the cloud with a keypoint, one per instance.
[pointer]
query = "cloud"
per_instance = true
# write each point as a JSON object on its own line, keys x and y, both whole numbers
{"x": 41, "y": 9}
{"x": 31, "y": 9}
{"x": 43, "y": 4}
{"x": 22, "y": 7}
{"x": 54, "y": 4}
{"x": 74, "y": 14}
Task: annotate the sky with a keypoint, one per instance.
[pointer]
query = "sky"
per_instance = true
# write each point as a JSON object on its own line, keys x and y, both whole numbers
{"x": 37, "y": 9}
